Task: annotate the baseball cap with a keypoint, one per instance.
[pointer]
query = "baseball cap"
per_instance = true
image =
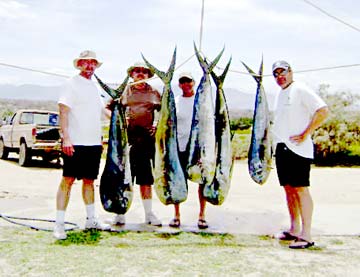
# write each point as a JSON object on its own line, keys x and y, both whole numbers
{"x": 186, "y": 75}
{"x": 280, "y": 64}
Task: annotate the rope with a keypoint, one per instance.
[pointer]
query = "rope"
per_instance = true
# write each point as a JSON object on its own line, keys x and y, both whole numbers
{"x": 9, "y": 219}
{"x": 332, "y": 16}
{"x": 34, "y": 70}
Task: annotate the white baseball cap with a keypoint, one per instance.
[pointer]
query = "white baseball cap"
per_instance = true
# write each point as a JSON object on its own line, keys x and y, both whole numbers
{"x": 280, "y": 64}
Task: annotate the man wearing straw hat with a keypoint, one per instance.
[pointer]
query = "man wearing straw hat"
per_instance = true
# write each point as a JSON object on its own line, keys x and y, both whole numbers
{"x": 141, "y": 101}
{"x": 81, "y": 110}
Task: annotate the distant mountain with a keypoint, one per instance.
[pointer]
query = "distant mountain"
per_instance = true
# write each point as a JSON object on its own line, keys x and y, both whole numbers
{"x": 29, "y": 92}
{"x": 239, "y": 103}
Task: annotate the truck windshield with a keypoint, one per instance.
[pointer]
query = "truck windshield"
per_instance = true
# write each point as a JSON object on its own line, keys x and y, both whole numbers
{"x": 50, "y": 119}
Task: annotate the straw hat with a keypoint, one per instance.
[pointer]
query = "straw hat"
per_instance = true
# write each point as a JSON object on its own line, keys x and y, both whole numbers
{"x": 140, "y": 65}
{"x": 87, "y": 55}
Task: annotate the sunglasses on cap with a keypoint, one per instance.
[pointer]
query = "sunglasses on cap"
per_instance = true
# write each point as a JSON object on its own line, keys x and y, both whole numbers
{"x": 141, "y": 70}
{"x": 184, "y": 80}
{"x": 282, "y": 73}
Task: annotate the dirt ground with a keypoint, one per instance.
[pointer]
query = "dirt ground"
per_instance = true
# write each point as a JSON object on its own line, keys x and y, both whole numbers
{"x": 248, "y": 209}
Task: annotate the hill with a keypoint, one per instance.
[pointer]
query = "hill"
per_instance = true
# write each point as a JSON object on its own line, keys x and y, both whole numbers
{"x": 240, "y": 103}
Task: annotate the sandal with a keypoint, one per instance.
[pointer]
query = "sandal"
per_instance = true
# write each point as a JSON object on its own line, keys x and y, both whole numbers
{"x": 287, "y": 236}
{"x": 202, "y": 224}
{"x": 175, "y": 223}
{"x": 300, "y": 243}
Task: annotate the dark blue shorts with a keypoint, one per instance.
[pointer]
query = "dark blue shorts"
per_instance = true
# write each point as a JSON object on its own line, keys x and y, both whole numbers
{"x": 292, "y": 169}
{"x": 84, "y": 163}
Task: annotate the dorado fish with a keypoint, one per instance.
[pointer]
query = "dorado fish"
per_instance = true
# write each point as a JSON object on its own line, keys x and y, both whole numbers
{"x": 259, "y": 156}
{"x": 216, "y": 191}
{"x": 116, "y": 186}
{"x": 169, "y": 179}
{"x": 202, "y": 161}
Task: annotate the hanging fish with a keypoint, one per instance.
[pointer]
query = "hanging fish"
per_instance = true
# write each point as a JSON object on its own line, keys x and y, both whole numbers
{"x": 259, "y": 156}
{"x": 116, "y": 186}
{"x": 202, "y": 160}
{"x": 216, "y": 191}
{"x": 169, "y": 179}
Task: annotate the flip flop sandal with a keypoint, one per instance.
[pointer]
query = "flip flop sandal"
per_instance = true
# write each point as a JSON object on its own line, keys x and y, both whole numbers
{"x": 307, "y": 244}
{"x": 287, "y": 236}
{"x": 175, "y": 223}
{"x": 202, "y": 224}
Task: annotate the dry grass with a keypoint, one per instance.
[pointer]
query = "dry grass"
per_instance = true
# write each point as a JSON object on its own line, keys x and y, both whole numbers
{"x": 25, "y": 252}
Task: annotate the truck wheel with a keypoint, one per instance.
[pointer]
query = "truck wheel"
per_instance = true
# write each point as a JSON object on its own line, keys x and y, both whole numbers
{"x": 4, "y": 151}
{"x": 24, "y": 155}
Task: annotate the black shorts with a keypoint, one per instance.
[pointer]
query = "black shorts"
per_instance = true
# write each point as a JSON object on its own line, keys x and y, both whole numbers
{"x": 142, "y": 153}
{"x": 292, "y": 169}
{"x": 84, "y": 163}
{"x": 183, "y": 157}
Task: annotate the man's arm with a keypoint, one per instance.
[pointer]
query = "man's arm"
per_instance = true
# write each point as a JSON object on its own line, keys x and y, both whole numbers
{"x": 67, "y": 146}
{"x": 318, "y": 118}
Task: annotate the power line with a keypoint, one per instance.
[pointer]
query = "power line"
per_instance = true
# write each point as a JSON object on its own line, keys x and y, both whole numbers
{"x": 331, "y": 16}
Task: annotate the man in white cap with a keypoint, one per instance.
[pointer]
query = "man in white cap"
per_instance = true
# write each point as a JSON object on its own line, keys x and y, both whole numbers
{"x": 81, "y": 110}
{"x": 184, "y": 111}
{"x": 298, "y": 113}
{"x": 141, "y": 101}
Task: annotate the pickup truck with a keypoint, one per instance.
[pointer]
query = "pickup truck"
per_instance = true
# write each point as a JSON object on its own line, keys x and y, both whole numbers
{"x": 31, "y": 133}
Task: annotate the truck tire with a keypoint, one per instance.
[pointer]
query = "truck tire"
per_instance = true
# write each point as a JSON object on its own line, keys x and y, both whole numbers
{"x": 4, "y": 151}
{"x": 24, "y": 155}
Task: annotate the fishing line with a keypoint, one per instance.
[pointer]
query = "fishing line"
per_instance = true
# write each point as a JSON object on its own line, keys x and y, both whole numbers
{"x": 10, "y": 219}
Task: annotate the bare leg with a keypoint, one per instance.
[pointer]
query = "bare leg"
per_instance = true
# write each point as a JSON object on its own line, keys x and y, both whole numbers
{"x": 63, "y": 193}
{"x": 306, "y": 207}
{"x": 202, "y": 202}
{"x": 177, "y": 211}
{"x": 88, "y": 191}
{"x": 294, "y": 210}
{"x": 146, "y": 192}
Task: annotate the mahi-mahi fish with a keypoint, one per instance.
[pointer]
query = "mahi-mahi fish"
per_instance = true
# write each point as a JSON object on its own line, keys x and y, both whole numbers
{"x": 169, "y": 179}
{"x": 202, "y": 153}
{"x": 260, "y": 155}
{"x": 116, "y": 186}
{"x": 217, "y": 190}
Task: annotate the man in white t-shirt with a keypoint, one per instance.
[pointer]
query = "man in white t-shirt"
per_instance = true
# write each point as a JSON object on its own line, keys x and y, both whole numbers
{"x": 298, "y": 113}
{"x": 184, "y": 111}
{"x": 81, "y": 111}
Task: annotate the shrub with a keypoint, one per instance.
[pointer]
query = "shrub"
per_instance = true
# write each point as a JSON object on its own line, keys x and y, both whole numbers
{"x": 337, "y": 141}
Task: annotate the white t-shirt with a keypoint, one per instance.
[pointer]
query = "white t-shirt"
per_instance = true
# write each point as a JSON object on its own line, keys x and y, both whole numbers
{"x": 86, "y": 110}
{"x": 184, "y": 113}
{"x": 295, "y": 108}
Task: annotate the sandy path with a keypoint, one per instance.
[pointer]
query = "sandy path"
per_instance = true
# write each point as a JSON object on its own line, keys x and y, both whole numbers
{"x": 249, "y": 208}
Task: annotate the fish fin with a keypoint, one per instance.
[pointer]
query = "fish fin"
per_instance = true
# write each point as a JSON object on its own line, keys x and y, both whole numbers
{"x": 166, "y": 77}
{"x": 206, "y": 67}
{"x": 220, "y": 79}
{"x": 232, "y": 134}
{"x": 257, "y": 77}
{"x": 123, "y": 85}
{"x": 113, "y": 93}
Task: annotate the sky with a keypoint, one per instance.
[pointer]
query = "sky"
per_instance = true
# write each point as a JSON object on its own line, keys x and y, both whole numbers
{"x": 47, "y": 35}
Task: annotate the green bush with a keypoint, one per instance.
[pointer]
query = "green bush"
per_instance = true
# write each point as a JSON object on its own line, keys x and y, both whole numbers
{"x": 337, "y": 141}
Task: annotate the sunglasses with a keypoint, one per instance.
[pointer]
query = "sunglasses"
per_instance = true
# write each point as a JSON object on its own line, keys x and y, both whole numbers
{"x": 141, "y": 70}
{"x": 185, "y": 80}
{"x": 282, "y": 73}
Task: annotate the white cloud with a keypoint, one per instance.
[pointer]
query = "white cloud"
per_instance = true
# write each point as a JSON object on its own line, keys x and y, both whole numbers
{"x": 11, "y": 9}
